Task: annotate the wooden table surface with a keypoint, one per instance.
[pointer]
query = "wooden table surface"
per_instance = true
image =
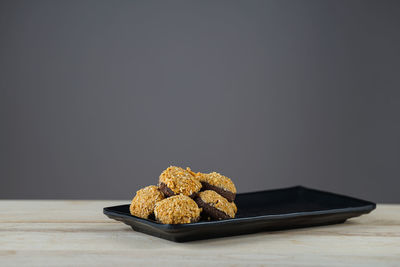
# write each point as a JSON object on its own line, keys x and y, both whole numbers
{"x": 48, "y": 233}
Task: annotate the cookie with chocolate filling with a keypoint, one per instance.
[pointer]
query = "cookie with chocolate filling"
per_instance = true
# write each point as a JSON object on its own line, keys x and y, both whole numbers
{"x": 215, "y": 206}
{"x": 175, "y": 180}
{"x": 177, "y": 210}
{"x": 142, "y": 204}
{"x": 218, "y": 183}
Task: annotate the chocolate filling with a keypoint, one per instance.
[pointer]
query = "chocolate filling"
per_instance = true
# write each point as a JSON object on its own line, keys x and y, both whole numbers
{"x": 225, "y": 193}
{"x": 166, "y": 191}
{"x": 211, "y": 211}
{"x": 169, "y": 193}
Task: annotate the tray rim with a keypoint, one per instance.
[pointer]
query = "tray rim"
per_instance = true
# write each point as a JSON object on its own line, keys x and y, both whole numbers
{"x": 365, "y": 209}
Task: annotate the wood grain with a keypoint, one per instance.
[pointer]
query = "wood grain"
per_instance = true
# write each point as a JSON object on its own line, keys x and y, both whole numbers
{"x": 65, "y": 233}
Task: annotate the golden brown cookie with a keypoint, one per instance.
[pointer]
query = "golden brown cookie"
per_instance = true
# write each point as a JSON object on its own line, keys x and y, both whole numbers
{"x": 143, "y": 203}
{"x": 218, "y": 183}
{"x": 191, "y": 172}
{"x": 234, "y": 206}
{"x": 215, "y": 206}
{"x": 175, "y": 180}
{"x": 177, "y": 210}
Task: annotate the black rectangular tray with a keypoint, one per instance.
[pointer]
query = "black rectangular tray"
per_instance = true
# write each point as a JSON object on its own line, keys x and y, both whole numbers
{"x": 270, "y": 210}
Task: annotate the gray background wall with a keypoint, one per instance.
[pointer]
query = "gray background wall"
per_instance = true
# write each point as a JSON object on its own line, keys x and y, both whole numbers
{"x": 98, "y": 97}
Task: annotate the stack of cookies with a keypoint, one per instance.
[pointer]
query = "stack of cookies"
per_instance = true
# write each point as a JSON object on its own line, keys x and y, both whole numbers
{"x": 184, "y": 196}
